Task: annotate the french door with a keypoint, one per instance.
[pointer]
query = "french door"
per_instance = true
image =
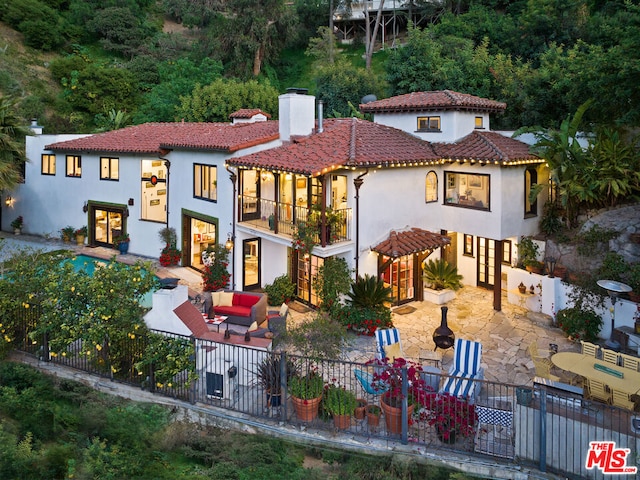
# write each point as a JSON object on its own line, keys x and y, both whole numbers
{"x": 486, "y": 262}
{"x": 106, "y": 223}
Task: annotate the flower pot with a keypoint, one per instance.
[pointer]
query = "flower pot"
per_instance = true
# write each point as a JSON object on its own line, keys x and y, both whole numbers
{"x": 393, "y": 416}
{"x": 522, "y": 288}
{"x": 342, "y": 422}
{"x": 445, "y": 435}
{"x": 80, "y": 239}
{"x": 373, "y": 419}
{"x": 123, "y": 247}
{"x": 16, "y": 231}
{"x": 360, "y": 409}
{"x": 306, "y": 410}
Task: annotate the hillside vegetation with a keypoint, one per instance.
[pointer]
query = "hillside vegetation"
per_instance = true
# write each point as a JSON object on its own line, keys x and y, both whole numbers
{"x": 75, "y": 64}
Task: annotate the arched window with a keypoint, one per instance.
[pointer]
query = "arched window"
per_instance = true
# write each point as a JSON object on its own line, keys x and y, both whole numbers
{"x": 530, "y": 185}
{"x": 431, "y": 187}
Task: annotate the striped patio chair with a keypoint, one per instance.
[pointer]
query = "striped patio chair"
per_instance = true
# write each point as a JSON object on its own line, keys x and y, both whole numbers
{"x": 388, "y": 344}
{"x": 465, "y": 371}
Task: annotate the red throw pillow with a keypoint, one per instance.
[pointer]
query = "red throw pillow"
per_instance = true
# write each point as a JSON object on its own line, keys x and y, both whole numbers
{"x": 247, "y": 300}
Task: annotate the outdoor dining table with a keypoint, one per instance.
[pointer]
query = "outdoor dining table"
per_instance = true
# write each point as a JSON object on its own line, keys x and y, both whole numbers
{"x": 615, "y": 377}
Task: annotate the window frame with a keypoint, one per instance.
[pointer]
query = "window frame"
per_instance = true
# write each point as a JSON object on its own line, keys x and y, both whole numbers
{"x": 198, "y": 190}
{"x": 507, "y": 250}
{"x": 479, "y": 123}
{"x": 434, "y": 188}
{"x": 467, "y": 242}
{"x": 73, "y": 170}
{"x": 50, "y": 159}
{"x": 530, "y": 179}
{"x": 428, "y": 119}
{"x": 457, "y": 181}
{"x": 110, "y": 175}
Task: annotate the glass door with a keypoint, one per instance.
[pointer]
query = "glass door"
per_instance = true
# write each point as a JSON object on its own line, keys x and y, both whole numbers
{"x": 399, "y": 275}
{"x": 106, "y": 224}
{"x": 251, "y": 264}
{"x": 486, "y": 262}
{"x": 250, "y": 194}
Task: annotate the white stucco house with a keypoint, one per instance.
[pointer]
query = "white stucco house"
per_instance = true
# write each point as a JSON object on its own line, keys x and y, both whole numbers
{"x": 426, "y": 177}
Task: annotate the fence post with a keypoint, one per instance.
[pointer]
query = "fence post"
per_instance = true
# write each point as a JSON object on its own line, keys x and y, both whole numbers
{"x": 46, "y": 355}
{"x": 283, "y": 377}
{"x": 192, "y": 387}
{"x": 543, "y": 429}
{"x": 405, "y": 406}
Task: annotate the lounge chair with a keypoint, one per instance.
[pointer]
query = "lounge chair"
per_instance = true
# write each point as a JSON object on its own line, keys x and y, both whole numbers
{"x": 388, "y": 344}
{"x": 465, "y": 373}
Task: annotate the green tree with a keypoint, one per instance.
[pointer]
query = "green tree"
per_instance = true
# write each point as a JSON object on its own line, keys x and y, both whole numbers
{"x": 216, "y": 101}
{"x": 341, "y": 84}
{"x": 332, "y": 281}
{"x": 12, "y": 144}
{"x": 251, "y": 33}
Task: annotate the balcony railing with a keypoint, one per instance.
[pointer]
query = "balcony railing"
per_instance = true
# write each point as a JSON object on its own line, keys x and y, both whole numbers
{"x": 282, "y": 218}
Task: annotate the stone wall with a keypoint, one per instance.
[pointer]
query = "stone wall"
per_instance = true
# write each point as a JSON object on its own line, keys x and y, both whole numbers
{"x": 625, "y": 220}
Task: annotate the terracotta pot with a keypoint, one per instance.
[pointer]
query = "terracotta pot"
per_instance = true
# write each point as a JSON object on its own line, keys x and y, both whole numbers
{"x": 393, "y": 416}
{"x": 634, "y": 297}
{"x": 360, "y": 409}
{"x": 342, "y": 421}
{"x": 306, "y": 410}
{"x": 373, "y": 419}
{"x": 560, "y": 271}
{"x": 80, "y": 239}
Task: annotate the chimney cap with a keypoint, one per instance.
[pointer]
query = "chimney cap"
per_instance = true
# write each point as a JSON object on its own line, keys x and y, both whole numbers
{"x": 299, "y": 91}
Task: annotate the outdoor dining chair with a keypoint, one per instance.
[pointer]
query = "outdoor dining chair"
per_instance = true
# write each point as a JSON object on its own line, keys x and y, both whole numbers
{"x": 610, "y": 356}
{"x": 366, "y": 381}
{"x": 598, "y": 391}
{"x": 388, "y": 344}
{"x": 632, "y": 363}
{"x": 589, "y": 348}
{"x": 465, "y": 373}
{"x": 534, "y": 351}
{"x": 622, "y": 400}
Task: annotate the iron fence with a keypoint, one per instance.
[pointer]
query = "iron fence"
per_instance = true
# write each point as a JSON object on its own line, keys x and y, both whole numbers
{"x": 536, "y": 426}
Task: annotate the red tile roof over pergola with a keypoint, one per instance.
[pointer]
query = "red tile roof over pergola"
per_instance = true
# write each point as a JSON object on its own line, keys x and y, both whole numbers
{"x": 433, "y": 101}
{"x": 411, "y": 241}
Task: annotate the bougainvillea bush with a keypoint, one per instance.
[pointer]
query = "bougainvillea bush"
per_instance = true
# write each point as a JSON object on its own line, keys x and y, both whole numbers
{"x": 169, "y": 256}
{"x": 579, "y": 324}
{"x": 215, "y": 275}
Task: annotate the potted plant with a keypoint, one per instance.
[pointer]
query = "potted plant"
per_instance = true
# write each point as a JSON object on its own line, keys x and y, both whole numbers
{"x": 361, "y": 409}
{"x": 373, "y": 415}
{"x": 528, "y": 255}
{"x": 17, "y": 224}
{"x": 80, "y": 235}
{"x": 451, "y": 416}
{"x": 388, "y": 378}
{"x": 632, "y": 278}
{"x": 340, "y": 403}
{"x": 170, "y": 254}
{"x": 67, "y": 233}
{"x": 269, "y": 373}
{"x": 121, "y": 242}
{"x": 306, "y": 394}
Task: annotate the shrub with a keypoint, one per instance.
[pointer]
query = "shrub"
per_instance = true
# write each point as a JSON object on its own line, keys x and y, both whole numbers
{"x": 369, "y": 292}
{"x": 439, "y": 274}
{"x": 363, "y": 321}
{"x": 215, "y": 275}
{"x": 579, "y": 324}
{"x": 332, "y": 281}
{"x": 280, "y": 291}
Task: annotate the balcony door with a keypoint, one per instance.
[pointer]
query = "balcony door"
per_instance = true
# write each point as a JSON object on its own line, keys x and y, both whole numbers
{"x": 250, "y": 191}
{"x": 251, "y": 264}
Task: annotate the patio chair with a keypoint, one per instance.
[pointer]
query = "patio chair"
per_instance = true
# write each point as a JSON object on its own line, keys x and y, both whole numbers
{"x": 465, "y": 373}
{"x": 632, "y": 363}
{"x": 277, "y": 319}
{"x": 622, "y": 400}
{"x": 610, "y": 356}
{"x": 535, "y": 352}
{"x": 598, "y": 391}
{"x": 388, "y": 344}
{"x": 543, "y": 367}
{"x": 589, "y": 348}
{"x": 366, "y": 381}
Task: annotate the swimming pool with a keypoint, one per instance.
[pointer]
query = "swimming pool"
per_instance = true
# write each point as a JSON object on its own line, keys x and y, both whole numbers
{"x": 89, "y": 265}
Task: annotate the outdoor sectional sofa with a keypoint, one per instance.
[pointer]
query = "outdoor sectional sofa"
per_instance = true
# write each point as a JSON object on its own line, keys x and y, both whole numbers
{"x": 240, "y": 308}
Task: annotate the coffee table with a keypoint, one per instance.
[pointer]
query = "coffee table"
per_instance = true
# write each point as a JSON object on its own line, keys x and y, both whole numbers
{"x": 215, "y": 322}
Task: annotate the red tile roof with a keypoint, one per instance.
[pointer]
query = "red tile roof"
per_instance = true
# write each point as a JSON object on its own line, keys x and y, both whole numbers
{"x": 344, "y": 142}
{"x": 431, "y": 101}
{"x": 151, "y": 138}
{"x": 248, "y": 113}
{"x": 487, "y": 147}
{"x": 410, "y": 241}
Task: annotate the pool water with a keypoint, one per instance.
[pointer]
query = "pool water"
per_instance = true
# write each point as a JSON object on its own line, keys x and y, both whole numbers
{"x": 89, "y": 265}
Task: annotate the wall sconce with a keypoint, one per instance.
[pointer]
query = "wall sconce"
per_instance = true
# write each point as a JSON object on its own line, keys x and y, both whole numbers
{"x": 229, "y": 243}
{"x": 131, "y": 202}
{"x": 550, "y": 263}
{"x": 85, "y": 207}
{"x": 8, "y": 201}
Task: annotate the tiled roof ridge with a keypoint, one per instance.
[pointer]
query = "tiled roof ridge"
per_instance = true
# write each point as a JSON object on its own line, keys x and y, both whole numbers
{"x": 487, "y": 141}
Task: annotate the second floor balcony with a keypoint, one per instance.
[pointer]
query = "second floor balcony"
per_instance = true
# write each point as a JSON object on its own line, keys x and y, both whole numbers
{"x": 333, "y": 226}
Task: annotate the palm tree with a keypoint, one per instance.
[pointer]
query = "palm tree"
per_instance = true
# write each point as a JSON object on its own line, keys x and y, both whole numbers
{"x": 12, "y": 144}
